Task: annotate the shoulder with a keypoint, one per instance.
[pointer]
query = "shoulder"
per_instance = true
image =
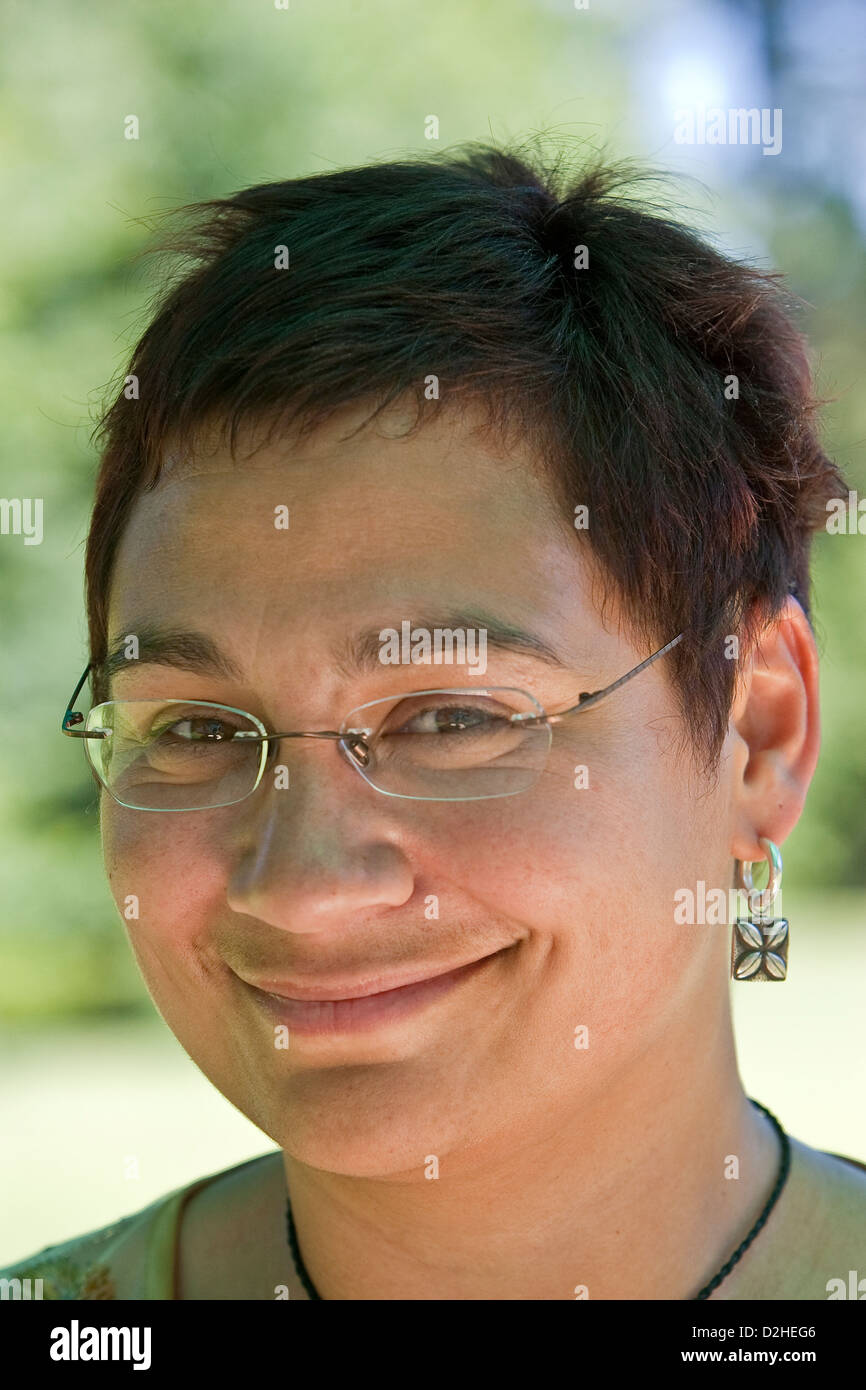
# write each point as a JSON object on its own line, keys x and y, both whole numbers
{"x": 89, "y": 1266}
{"x": 817, "y": 1235}
{"x": 133, "y": 1258}
{"x": 243, "y": 1212}
{"x": 835, "y": 1188}
{"x": 838, "y": 1181}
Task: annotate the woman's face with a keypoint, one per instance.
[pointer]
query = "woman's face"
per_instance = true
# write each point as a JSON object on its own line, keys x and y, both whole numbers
{"x": 567, "y": 889}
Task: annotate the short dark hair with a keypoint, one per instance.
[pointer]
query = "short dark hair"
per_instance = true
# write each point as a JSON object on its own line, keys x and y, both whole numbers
{"x": 663, "y": 384}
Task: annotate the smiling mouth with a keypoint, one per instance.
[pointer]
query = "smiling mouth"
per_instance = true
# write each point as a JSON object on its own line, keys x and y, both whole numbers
{"x": 362, "y": 1011}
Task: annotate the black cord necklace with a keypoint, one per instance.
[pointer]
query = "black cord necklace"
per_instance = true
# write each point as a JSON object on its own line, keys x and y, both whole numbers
{"x": 781, "y": 1178}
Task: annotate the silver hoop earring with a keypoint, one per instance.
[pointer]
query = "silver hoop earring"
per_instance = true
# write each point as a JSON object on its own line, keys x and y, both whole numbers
{"x": 759, "y": 944}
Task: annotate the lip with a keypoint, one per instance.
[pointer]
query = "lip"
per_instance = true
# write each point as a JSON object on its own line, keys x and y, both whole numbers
{"x": 358, "y": 989}
{"x": 312, "y": 1009}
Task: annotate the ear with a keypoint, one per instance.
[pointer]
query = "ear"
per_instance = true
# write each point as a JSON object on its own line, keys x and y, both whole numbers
{"x": 775, "y": 731}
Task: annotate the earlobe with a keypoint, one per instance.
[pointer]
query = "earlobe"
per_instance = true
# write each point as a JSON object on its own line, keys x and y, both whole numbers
{"x": 776, "y": 719}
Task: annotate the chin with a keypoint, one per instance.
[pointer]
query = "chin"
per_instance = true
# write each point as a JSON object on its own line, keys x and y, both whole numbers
{"x": 351, "y": 1121}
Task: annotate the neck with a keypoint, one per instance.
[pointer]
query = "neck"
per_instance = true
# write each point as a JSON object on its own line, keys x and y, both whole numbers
{"x": 624, "y": 1197}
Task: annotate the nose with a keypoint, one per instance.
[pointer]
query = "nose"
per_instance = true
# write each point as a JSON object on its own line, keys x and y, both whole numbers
{"x": 311, "y": 855}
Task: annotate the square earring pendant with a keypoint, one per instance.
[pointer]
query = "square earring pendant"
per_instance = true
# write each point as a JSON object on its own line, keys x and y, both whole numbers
{"x": 759, "y": 949}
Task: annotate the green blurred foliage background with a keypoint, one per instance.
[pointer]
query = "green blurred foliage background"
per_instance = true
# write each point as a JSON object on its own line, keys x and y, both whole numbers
{"x": 237, "y": 93}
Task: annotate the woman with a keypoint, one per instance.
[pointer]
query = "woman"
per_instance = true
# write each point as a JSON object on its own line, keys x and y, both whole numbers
{"x": 436, "y": 952}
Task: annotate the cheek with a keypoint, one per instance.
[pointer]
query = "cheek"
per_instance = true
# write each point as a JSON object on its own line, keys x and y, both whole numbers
{"x": 165, "y": 888}
{"x": 587, "y": 872}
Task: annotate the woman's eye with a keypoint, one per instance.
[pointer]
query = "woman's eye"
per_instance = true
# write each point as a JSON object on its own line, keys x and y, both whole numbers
{"x": 450, "y": 719}
{"x": 206, "y": 729}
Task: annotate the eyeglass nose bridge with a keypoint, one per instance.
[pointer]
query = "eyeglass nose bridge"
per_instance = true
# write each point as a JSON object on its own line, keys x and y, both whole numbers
{"x": 355, "y": 743}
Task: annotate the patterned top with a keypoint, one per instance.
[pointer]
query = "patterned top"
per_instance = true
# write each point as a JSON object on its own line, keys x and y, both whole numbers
{"x": 135, "y": 1258}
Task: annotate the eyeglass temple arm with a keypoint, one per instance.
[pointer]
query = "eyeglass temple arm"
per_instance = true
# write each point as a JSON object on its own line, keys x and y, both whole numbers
{"x": 592, "y": 697}
{"x": 73, "y": 717}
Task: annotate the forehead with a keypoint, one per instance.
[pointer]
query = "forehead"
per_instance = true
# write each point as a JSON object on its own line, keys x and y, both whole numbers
{"x": 302, "y": 531}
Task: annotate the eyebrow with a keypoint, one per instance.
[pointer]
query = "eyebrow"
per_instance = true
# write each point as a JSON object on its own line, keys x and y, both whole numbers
{"x": 189, "y": 650}
{"x": 186, "y": 650}
{"x": 360, "y": 653}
